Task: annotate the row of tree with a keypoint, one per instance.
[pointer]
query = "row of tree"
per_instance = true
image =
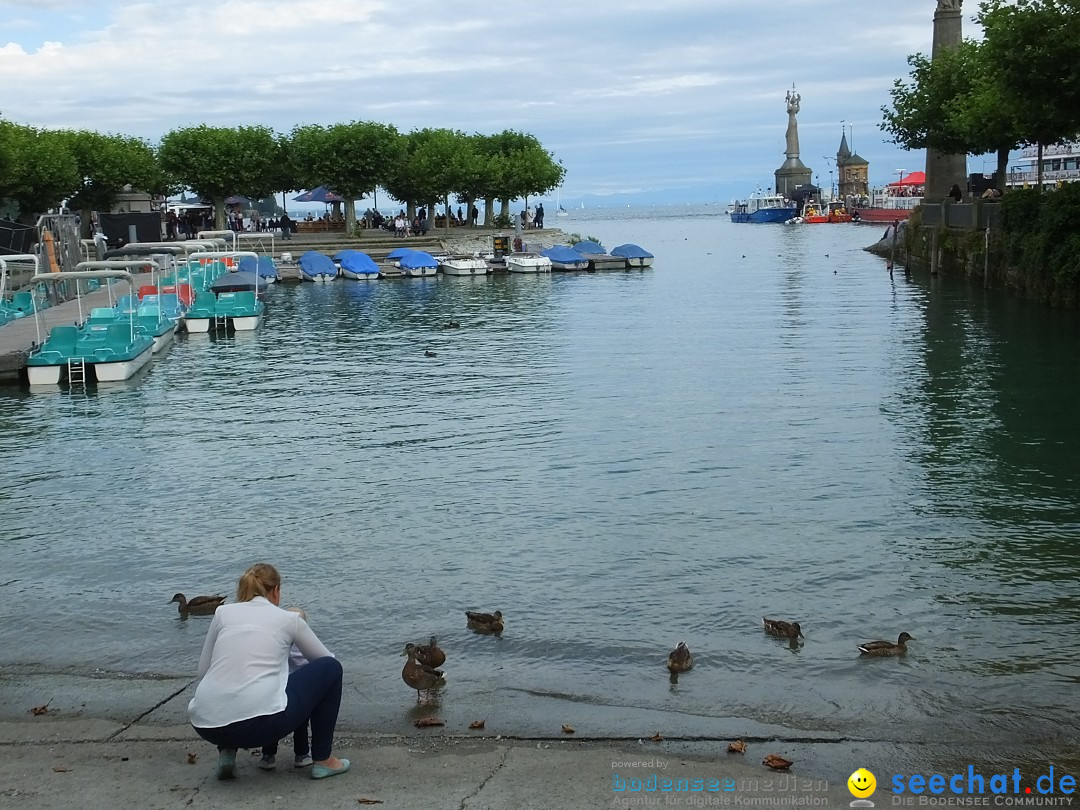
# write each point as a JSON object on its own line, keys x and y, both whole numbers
{"x": 40, "y": 169}
{"x": 1018, "y": 86}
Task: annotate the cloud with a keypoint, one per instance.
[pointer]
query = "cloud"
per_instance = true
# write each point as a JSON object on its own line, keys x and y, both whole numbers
{"x": 629, "y": 95}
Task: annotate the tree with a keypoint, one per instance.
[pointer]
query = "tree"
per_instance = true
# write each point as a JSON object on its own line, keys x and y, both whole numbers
{"x": 216, "y": 162}
{"x": 519, "y": 166}
{"x": 471, "y": 171}
{"x": 41, "y": 173}
{"x": 434, "y": 161}
{"x": 351, "y": 159}
{"x": 1036, "y": 45}
{"x": 105, "y": 165}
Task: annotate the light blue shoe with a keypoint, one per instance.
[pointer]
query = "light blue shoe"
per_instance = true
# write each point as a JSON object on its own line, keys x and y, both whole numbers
{"x": 226, "y": 763}
{"x": 322, "y": 772}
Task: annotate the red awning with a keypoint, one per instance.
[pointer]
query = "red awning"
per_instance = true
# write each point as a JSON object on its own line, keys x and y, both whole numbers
{"x": 913, "y": 179}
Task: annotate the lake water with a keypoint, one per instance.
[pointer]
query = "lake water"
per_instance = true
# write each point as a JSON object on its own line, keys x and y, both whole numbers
{"x": 765, "y": 423}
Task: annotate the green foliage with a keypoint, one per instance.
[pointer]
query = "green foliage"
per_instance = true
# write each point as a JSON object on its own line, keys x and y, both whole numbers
{"x": 106, "y": 164}
{"x": 1042, "y": 241}
{"x": 42, "y": 172}
{"x": 216, "y": 162}
{"x": 502, "y": 221}
{"x": 574, "y": 238}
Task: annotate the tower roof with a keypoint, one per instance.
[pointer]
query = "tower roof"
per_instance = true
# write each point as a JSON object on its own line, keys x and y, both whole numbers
{"x": 855, "y": 160}
{"x": 843, "y": 151}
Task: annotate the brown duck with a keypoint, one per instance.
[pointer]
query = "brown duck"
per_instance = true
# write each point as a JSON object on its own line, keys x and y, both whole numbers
{"x": 419, "y": 676}
{"x": 430, "y": 655}
{"x": 485, "y": 622}
{"x": 680, "y": 659}
{"x": 198, "y": 606}
{"x": 776, "y": 627}
{"x": 886, "y": 647}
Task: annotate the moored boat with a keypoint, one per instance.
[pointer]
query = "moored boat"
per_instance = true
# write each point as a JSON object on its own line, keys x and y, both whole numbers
{"x": 317, "y": 267}
{"x": 763, "y": 208}
{"x": 565, "y": 258}
{"x": 893, "y": 203}
{"x": 356, "y": 265}
{"x": 463, "y": 266}
{"x": 417, "y": 263}
{"x": 527, "y": 262}
{"x": 635, "y": 255}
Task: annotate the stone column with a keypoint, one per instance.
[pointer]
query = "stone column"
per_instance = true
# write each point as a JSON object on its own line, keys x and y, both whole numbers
{"x": 943, "y": 170}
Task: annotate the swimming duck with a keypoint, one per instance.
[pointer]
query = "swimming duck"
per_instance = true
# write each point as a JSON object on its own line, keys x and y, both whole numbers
{"x": 451, "y": 325}
{"x": 886, "y": 647}
{"x": 430, "y": 655}
{"x": 430, "y": 353}
{"x": 775, "y": 627}
{"x": 680, "y": 659}
{"x": 419, "y": 676}
{"x": 485, "y": 622}
{"x": 198, "y": 606}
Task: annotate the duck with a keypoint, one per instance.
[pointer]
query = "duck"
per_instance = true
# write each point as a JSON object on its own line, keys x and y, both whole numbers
{"x": 680, "y": 659}
{"x": 886, "y": 647}
{"x": 485, "y": 622}
{"x": 197, "y": 606}
{"x": 430, "y": 655}
{"x": 420, "y": 676}
{"x": 776, "y": 627}
{"x": 451, "y": 325}
{"x": 430, "y": 353}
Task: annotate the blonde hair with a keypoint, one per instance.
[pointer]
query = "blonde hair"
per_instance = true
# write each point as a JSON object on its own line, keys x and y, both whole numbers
{"x": 259, "y": 580}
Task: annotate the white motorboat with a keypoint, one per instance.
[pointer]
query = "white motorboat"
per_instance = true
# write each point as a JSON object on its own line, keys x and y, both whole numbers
{"x": 527, "y": 262}
{"x": 463, "y": 266}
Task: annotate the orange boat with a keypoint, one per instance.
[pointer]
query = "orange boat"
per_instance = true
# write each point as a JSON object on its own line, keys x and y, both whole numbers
{"x": 815, "y": 213}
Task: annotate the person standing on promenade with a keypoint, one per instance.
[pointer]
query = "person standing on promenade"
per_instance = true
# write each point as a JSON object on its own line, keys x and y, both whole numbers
{"x": 539, "y": 218}
{"x": 245, "y": 697}
{"x": 286, "y": 226}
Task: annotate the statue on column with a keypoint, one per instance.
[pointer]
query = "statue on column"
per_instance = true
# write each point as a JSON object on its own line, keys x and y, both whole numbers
{"x": 949, "y": 5}
{"x": 793, "y": 100}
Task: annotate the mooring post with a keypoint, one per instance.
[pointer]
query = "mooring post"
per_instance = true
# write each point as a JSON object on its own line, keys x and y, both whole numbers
{"x": 986, "y": 257}
{"x": 892, "y": 252}
{"x": 934, "y": 252}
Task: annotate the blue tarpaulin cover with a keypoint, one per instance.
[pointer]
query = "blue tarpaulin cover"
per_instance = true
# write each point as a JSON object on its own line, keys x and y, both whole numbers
{"x": 561, "y": 253}
{"x": 416, "y": 259}
{"x": 263, "y": 265}
{"x": 356, "y": 261}
{"x": 589, "y": 247}
{"x": 317, "y": 264}
{"x": 397, "y": 253}
{"x": 631, "y": 251}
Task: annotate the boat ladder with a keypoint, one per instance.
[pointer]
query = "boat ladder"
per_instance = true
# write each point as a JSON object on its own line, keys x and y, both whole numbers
{"x": 76, "y": 371}
{"x": 221, "y": 321}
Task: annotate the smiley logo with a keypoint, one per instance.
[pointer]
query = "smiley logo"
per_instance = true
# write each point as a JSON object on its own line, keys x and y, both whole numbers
{"x": 862, "y": 784}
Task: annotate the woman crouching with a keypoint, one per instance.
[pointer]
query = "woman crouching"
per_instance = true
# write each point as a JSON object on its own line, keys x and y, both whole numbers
{"x": 246, "y": 697}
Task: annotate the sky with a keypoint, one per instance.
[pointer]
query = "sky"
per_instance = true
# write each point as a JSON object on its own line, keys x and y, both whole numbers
{"x": 643, "y": 101}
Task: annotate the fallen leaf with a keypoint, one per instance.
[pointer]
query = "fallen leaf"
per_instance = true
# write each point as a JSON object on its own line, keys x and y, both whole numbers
{"x": 192, "y": 757}
{"x": 657, "y": 737}
{"x": 737, "y": 747}
{"x": 428, "y": 721}
{"x": 568, "y": 729}
{"x": 61, "y": 769}
{"x": 42, "y": 709}
{"x": 476, "y": 724}
{"x": 365, "y": 800}
{"x": 776, "y": 762}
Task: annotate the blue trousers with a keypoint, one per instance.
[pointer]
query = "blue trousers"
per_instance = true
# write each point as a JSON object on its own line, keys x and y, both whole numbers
{"x": 314, "y": 695}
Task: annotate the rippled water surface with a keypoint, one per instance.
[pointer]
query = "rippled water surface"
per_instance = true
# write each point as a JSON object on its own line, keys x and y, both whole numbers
{"x": 763, "y": 424}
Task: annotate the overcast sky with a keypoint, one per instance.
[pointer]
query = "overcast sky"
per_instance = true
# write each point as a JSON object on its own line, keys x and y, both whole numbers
{"x": 665, "y": 100}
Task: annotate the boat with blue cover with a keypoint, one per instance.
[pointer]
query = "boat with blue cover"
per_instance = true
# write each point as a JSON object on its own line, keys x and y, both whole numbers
{"x": 762, "y": 208}
{"x": 565, "y": 258}
{"x": 263, "y": 266}
{"x": 417, "y": 263}
{"x": 110, "y": 354}
{"x": 315, "y": 266}
{"x": 356, "y": 265}
{"x": 597, "y": 257}
{"x": 635, "y": 255}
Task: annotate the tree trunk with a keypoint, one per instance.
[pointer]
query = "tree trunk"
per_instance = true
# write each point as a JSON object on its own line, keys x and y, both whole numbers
{"x": 489, "y": 212}
{"x": 350, "y": 216}
{"x": 410, "y": 212}
{"x": 85, "y": 217}
{"x": 504, "y": 208}
{"x": 219, "y": 213}
{"x": 469, "y": 202}
{"x": 1002, "y": 167}
{"x": 446, "y": 221}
